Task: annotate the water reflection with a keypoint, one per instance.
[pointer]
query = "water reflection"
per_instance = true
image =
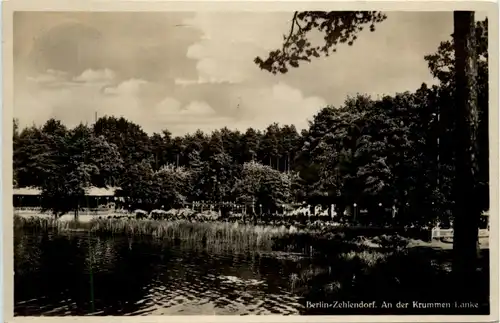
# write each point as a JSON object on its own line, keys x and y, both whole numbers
{"x": 148, "y": 277}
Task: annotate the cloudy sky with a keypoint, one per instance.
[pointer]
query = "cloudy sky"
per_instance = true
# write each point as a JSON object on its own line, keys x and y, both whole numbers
{"x": 184, "y": 71}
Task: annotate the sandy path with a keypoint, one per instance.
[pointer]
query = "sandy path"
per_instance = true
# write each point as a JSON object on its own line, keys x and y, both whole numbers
{"x": 484, "y": 243}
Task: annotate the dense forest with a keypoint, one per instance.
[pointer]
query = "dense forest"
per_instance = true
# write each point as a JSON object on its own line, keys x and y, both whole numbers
{"x": 391, "y": 151}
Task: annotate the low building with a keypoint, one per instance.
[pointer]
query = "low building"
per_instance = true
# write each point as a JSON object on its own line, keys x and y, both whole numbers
{"x": 31, "y": 197}
{"x": 26, "y": 197}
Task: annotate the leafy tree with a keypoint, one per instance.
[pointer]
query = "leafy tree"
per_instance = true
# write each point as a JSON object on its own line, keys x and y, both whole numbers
{"x": 197, "y": 168}
{"x": 288, "y": 147}
{"x": 138, "y": 186}
{"x": 31, "y": 158}
{"x": 232, "y": 141}
{"x": 108, "y": 161}
{"x": 176, "y": 153}
{"x": 90, "y": 149}
{"x": 36, "y": 153}
{"x": 442, "y": 66}
{"x": 159, "y": 148}
{"x": 270, "y": 146}
{"x": 78, "y": 160}
{"x": 341, "y": 27}
{"x": 274, "y": 191}
{"x": 218, "y": 178}
{"x": 64, "y": 192}
{"x": 247, "y": 186}
{"x": 250, "y": 144}
{"x": 215, "y": 144}
{"x": 261, "y": 185}
{"x": 132, "y": 142}
{"x": 172, "y": 186}
{"x": 197, "y": 142}
{"x": 338, "y": 27}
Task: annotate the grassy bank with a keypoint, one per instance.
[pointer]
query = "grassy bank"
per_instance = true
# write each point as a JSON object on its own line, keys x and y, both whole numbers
{"x": 233, "y": 234}
{"x": 289, "y": 238}
{"x": 312, "y": 241}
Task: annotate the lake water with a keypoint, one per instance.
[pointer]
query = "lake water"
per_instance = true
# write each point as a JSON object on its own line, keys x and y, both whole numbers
{"x": 77, "y": 275}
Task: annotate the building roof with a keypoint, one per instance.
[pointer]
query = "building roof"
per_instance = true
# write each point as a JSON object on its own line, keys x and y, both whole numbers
{"x": 92, "y": 191}
{"x": 27, "y": 191}
{"x": 98, "y": 191}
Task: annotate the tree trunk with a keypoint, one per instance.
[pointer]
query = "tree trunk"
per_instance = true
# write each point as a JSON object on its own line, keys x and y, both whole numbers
{"x": 466, "y": 212}
{"x": 76, "y": 209}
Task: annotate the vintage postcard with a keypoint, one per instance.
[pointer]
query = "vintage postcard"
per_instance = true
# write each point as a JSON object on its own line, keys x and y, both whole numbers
{"x": 250, "y": 161}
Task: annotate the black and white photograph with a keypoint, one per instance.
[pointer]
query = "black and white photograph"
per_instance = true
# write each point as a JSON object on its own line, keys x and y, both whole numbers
{"x": 252, "y": 162}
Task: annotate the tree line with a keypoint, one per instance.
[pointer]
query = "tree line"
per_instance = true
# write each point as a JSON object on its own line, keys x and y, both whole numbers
{"x": 394, "y": 150}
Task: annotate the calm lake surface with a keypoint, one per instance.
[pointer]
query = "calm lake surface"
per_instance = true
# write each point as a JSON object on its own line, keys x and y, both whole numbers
{"x": 78, "y": 274}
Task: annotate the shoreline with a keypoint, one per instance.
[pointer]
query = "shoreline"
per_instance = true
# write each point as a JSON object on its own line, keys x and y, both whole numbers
{"x": 199, "y": 230}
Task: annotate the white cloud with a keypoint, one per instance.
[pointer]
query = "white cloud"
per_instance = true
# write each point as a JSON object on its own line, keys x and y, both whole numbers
{"x": 280, "y": 103}
{"x": 230, "y": 42}
{"x": 168, "y": 106}
{"x": 77, "y": 102}
{"x": 201, "y": 80}
{"x": 197, "y": 108}
{"x": 129, "y": 87}
{"x": 259, "y": 107}
{"x": 178, "y": 119}
{"x": 50, "y": 76}
{"x": 94, "y": 76}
